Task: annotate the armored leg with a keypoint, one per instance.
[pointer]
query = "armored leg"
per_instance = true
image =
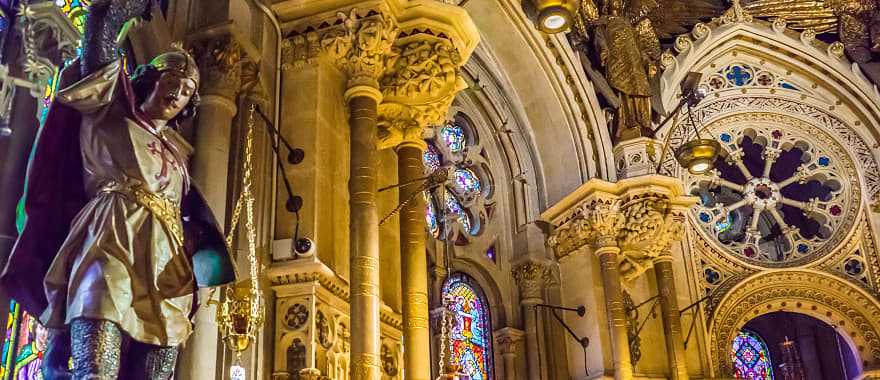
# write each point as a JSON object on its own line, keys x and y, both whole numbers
{"x": 96, "y": 346}
{"x": 149, "y": 362}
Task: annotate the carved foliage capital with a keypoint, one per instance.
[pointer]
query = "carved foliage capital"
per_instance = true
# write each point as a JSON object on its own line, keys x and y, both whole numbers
{"x": 220, "y": 65}
{"x": 506, "y": 340}
{"x": 358, "y": 44}
{"x": 531, "y": 277}
{"x": 595, "y": 223}
{"x": 651, "y": 225}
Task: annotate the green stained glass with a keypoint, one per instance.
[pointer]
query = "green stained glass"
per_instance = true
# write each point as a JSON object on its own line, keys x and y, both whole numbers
{"x": 76, "y": 11}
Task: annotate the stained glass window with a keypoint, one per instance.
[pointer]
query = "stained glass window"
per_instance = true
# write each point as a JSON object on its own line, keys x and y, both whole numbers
{"x": 470, "y": 331}
{"x": 431, "y": 158}
{"x": 453, "y": 136}
{"x": 431, "y": 215}
{"x": 750, "y": 356}
{"x": 23, "y": 347}
{"x": 467, "y": 182}
{"x": 76, "y": 10}
{"x": 453, "y": 207}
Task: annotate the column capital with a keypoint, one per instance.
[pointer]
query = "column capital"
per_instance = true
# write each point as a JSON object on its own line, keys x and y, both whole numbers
{"x": 532, "y": 277}
{"x": 220, "y": 63}
{"x": 409, "y": 51}
{"x": 641, "y": 216}
{"x": 506, "y": 339}
{"x": 594, "y": 223}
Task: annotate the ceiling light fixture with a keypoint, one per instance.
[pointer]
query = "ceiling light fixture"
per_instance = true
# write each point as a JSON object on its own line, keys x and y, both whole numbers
{"x": 555, "y": 16}
{"x": 698, "y": 155}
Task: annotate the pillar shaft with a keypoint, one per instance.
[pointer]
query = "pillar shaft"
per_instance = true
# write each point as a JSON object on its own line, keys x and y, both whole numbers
{"x": 533, "y": 345}
{"x": 414, "y": 266}
{"x": 509, "y": 365}
{"x": 616, "y": 313}
{"x": 210, "y": 169}
{"x": 364, "y": 229}
{"x": 671, "y": 320}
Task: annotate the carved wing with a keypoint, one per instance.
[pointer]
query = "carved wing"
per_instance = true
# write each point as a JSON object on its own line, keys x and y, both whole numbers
{"x": 798, "y": 14}
{"x": 674, "y": 17}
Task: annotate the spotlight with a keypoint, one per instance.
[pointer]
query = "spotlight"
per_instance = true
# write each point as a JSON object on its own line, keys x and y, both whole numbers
{"x": 698, "y": 155}
{"x": 554, "y": 16}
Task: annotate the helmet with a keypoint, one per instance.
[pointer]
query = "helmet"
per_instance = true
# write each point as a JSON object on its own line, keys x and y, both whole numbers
{"x": 177, "y": 60}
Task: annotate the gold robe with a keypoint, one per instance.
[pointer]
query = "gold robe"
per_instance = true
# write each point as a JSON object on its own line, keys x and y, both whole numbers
{"x": 121, "y": 261}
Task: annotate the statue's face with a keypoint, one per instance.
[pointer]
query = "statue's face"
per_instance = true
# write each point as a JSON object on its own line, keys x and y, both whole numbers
{"x": 170, "y": 95}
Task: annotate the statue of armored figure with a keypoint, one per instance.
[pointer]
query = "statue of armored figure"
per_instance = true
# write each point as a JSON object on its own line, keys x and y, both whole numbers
{"x": 116, "y": 237}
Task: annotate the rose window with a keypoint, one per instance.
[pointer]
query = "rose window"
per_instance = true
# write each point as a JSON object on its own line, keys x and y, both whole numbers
{"x": 453, "y": 148}
{"x": 777, "y": 197}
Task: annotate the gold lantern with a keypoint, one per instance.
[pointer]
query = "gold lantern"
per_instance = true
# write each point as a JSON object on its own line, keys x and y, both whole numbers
{"x": 241, "y": 313}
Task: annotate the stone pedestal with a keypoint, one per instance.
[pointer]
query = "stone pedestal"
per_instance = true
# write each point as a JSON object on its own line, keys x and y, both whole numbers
{"x": 636, "y": 157}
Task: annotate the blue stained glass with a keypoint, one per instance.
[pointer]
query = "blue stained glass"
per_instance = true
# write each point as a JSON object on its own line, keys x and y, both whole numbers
{"x": 454, "y": 208}
{"x": 738, "y": 75}
{"x": 467, "y": 180}
{"x": 430, "y": 215}
{"x": 704, "y": 217}
{"x": 750, "y": 357}
{"x": 453, "y": 136}
{"x": 725, "y": 137}
{"x": 824, "y": 161}
{"x": 469, "y": 337}
{"x": 788, "y": 86}
{"x": 803, "y": 248}
{"x": 724, "y": 225}
{"x": 431, "y": 158}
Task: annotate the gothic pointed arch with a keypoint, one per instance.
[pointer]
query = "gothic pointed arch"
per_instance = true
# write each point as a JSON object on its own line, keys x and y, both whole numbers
{"x": 854, "y": 312}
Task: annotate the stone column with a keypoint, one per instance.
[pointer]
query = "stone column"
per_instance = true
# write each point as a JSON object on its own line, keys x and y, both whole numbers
{"x": 362, "y": 102}
{"x": 364, "y": 65}
{"x": 506, "y": 341}
{"x": 530, "y": 278}
{"x": 675, "y": 352}
{"x": 608, "y": 261}
{"x": 414, "y": 265}
{"x": 220, "y": 79}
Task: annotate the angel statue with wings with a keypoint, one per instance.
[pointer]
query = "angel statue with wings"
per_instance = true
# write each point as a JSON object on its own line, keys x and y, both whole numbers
{"x": 625, "y": 35}
{"x": 857, "y": 22}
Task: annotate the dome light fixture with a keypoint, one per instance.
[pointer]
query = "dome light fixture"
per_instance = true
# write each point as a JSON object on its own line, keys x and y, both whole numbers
{"x": 554, "y": 16}
{"x": 698, "y": 155}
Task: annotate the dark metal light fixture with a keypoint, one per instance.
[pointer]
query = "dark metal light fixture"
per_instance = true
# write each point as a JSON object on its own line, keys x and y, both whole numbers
{"x": 697, "y": 155}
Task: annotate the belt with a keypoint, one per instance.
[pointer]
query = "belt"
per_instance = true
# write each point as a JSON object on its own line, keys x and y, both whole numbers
{"x": 163, "y": 208}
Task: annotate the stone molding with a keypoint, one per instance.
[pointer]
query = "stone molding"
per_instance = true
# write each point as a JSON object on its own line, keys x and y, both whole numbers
{"x": 305, "y": 271}
{"x": 642, "y": 216}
